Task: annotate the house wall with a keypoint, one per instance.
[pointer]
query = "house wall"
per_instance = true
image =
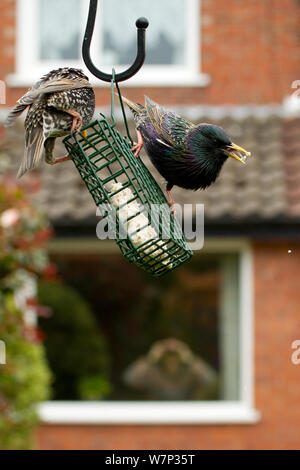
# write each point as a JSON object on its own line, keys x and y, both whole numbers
{"x": 250, "y": 49}
{"x": 277, "y": 379}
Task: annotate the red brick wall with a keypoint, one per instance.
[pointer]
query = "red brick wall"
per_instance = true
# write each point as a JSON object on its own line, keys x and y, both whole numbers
{"x": 251, "y": 50}
{"x": 277, "y": 380}
{"x": 7, "y": 37}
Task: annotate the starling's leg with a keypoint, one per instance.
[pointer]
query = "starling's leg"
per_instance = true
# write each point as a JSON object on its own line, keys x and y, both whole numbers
{"x": 171, "y": 201}
{"x": 59, "y": 159}
{"x": 138, "y": 147}
{"x": 49, "y": 146}
{"x": 77, "y": 120}
{"x": 62, "y": 159}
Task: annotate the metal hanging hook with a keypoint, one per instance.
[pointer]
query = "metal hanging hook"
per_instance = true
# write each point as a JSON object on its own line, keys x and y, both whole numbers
{"x": 141, "y": 24}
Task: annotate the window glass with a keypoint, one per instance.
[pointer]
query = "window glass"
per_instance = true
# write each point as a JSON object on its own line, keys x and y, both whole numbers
{"x": 166, "y": 38}
{"x": 173, "y": 338}
{"x": 59, "y": 29}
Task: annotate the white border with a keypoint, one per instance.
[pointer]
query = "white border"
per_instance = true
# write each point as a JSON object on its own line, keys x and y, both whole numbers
{"x": 195, "y": 412}
{"x": 28, "y": 69}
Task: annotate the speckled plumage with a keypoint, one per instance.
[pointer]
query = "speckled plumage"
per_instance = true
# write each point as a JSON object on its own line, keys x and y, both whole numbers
{"x": 61, "y": 102}
{"x": 186, "y": 155}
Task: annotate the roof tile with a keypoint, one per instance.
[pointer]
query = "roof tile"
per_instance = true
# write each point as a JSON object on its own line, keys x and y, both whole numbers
{"x": 266, "y": 187}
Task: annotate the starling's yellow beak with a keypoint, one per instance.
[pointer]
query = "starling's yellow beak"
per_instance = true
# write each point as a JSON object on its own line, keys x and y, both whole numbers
{"x": 237, "y": 152}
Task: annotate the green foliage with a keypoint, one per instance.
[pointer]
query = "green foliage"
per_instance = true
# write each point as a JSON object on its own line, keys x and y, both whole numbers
{"x": 93, "y": 387}
{"x": 25, "y": 378}
{"x": 76, "y": 350}
{"x": 23, "y": 232}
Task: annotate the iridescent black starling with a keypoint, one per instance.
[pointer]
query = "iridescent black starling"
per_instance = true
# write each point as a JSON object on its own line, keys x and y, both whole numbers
{"x": 186, "y": 155}
{"x": 59, "y": 104}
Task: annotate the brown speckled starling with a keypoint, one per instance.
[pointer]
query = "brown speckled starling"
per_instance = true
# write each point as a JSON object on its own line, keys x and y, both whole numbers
{"x": 59, "y": 104}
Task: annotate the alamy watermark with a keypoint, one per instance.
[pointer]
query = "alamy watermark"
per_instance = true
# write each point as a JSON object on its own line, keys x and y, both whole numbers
{"x": 295, "y": 358}
{"x": 2, "y": 352}
{"x": 157, "y": 222}
{"x": 2, "y": 92}
{"x": 296, "y": 93}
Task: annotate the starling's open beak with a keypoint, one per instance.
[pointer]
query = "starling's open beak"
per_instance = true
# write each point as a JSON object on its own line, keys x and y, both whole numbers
{"x": 237, "y": 152}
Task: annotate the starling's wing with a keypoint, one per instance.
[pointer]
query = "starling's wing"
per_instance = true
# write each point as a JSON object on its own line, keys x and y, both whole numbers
{"x": 41, "y": 88}
{"x": 170, "y": 126}
{"x": 52, "y": 86}
{"x": 14, "y": 114}
{"x": 33, "y": 149}
{"x": 34, "y": 137}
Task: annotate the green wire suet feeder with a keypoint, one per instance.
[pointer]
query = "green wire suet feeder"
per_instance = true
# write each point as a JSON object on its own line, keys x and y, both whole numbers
{"x": 125, "y": 192}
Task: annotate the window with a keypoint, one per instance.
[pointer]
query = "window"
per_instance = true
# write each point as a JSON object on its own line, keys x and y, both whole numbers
{"x": 49, "y": 35}
{"x": 52, "y": 18}
{"x": 181, "y": 351}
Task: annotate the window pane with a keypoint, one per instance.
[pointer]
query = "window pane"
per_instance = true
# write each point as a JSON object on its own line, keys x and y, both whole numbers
{"x": 166, "y": 33}
{"x": 59, "y": 22}
{"x": 174, "y": 338}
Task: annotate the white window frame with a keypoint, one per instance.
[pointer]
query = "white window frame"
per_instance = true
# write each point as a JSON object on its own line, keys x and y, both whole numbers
{"x": 163, "y": 412}
{"x": 28, "y": 68}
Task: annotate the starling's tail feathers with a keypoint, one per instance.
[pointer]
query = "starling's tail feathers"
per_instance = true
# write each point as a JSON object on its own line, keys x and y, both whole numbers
{"x": 138, "y": 111}
{"x": 14, "y": 114}
{"x": 33, "y": 150}
{"x": 136, "y": 107}
{"x": 150, "y": 102}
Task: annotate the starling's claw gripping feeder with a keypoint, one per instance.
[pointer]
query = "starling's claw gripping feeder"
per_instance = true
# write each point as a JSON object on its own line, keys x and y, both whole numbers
{"x": 125, "y": 192}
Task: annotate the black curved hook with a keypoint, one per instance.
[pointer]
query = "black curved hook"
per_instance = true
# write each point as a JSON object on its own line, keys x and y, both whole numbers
{"x": 141, "y": 24}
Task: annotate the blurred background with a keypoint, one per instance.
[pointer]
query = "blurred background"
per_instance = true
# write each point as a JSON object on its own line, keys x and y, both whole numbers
{"x": 99, "y": 355}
